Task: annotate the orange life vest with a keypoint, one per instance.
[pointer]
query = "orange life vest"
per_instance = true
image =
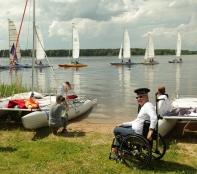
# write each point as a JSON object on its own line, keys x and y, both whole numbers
{"x": 31, "y": 104}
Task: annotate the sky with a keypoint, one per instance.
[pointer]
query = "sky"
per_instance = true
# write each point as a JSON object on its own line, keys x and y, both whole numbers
{"x": 100, "y": 23}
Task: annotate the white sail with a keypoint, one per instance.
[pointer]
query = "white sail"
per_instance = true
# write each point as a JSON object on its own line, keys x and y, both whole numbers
{"x": 40, "y": 53}
{"x": 150, "y": 51}
{"x": 126, "y": 45}
{"x": 12, "y": 38}
{"x": 120, "y": 52}
{"x": 178, "y": 49}
{"x": 75, "y": 44}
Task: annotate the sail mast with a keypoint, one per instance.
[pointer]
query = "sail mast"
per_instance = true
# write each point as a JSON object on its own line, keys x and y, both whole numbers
{"x": 33, "y": 54}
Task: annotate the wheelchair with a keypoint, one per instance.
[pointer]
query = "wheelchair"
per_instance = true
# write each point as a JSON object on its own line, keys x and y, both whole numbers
{"x": 135, "y": 151}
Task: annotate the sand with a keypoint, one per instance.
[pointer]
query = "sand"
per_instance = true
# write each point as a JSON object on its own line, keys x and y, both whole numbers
{"x": 84, "y": 126}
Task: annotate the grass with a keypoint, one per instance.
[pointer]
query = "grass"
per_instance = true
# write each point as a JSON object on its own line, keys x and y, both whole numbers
{"x": 39, "y": 151}
{"x": 9, "y": 90}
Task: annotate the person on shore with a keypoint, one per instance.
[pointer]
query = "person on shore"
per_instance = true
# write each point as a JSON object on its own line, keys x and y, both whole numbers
{"x": 164, "y": 105}
{"x": 64, "y": 88}
{"x": 146, "y": 112}
{"x": 56, "y": 118}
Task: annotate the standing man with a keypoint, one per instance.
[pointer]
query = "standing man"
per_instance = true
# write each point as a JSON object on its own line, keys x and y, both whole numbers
{"x": 63, "y": 89}
{"x": 56, "y": 120}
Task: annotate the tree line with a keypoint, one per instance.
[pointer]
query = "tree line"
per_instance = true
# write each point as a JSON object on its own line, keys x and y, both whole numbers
{"x": 97, "y": 52}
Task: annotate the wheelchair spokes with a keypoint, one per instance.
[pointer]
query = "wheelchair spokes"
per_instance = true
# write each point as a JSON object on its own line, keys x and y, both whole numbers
{"x": 135, "y": 152}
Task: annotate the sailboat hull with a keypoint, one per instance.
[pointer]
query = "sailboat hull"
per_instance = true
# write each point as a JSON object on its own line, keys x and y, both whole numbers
{"x": 175, "y": 61}
{"x": 166, "y": 125}
{"x": 23, "y": 66}
{"x": 41, "y": 66}
{"x": 123, "y": 63}
{"x": 15, "y": 66}
{"x": 150, "y": 63}
{"x": 40, "y": 119}
{"x": 72, "y": 65}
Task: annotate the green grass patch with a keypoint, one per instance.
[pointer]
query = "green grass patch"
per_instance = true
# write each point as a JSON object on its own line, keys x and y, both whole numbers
{"x": 39, "y": 151}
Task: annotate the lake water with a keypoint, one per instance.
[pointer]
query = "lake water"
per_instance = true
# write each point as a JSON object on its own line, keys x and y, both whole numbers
{"x": 113, "y": 86}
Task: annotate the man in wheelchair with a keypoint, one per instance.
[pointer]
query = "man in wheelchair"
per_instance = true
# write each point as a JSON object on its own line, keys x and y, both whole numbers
{"x": 137, "y": 142}
{"x": 147, "y": 112}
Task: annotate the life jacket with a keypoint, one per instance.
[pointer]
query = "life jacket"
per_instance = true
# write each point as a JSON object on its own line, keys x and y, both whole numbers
{"x": 31, "y": 104}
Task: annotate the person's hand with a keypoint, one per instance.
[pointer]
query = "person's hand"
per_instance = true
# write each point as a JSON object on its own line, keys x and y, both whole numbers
{"x": 119, "y": 125}
{"x": 149, "y": 136}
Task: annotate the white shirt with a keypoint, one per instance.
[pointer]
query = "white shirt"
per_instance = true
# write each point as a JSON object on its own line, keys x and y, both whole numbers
{"x": 164, "y": 106}
{"x": 61, "y": 90}
{"x": 147, "y": 112}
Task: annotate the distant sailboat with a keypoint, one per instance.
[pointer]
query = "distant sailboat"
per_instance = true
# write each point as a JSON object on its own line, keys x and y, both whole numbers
{"x": 75, "y": 50}
{"x": 12, "y": 34}
{"x": 40, "y": 53}
{"x": 126, "y": 51}
{"x": 150, "y": 52}
{"x": 178, "y": 50}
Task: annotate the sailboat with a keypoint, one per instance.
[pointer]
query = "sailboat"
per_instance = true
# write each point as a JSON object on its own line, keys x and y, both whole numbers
{"x": 39, "y": 117}
{"x": 178, "y": 50}
{"x": 12, "y": 32}
{"x": 126, "y": 51}
{"x": 150, "y": 53}
{"x": 40, "y": 53}
{"x": 75, "y": 50}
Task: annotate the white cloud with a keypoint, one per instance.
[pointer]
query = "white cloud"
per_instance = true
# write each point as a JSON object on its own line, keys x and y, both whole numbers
{"x": 102, "y": 21}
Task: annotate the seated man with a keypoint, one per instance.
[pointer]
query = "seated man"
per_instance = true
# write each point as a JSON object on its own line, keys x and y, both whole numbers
{"x": 147, "y": 112}
{"x": 164, "y": 105}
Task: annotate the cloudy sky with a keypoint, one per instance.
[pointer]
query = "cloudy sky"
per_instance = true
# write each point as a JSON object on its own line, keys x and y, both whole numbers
{"x": 100, "y": 23}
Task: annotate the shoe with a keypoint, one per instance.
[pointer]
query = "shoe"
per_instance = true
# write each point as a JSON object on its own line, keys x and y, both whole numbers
{"x": 64, "y": 131}
{"x": 113, "y": 156}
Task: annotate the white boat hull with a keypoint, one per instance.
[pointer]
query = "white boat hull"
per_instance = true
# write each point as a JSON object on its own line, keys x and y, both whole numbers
{"x": 40, "y": 119}
{"x": 165, "y": 126}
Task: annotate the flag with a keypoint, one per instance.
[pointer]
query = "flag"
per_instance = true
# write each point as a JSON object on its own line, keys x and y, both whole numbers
{"x": 12, "y": 53}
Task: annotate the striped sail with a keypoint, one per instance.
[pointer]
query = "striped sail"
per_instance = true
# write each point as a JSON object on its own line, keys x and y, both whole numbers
{"x": 75, "y": 44}
{"x": 178, "y": 49}
{"x": 126, "y": 45}
{"x": 12, "y": 38}
{"x": 40, "y": 53}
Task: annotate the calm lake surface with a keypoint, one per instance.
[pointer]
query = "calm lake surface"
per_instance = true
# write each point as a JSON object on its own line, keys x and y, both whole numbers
{"x": 113, "y": 86}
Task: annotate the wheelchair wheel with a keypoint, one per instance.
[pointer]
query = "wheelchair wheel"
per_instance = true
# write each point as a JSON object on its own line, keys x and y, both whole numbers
{"x": 135, "y": 151}
{"x": 158, "y": 153}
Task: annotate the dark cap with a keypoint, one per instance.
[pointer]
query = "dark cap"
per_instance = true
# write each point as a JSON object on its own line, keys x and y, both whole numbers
{"x": 142, "y": 91}
{"x": 59, "y": 97}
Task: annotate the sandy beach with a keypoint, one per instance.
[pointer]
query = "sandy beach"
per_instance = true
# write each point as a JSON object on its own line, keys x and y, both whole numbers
{"x": 85, "y": 126}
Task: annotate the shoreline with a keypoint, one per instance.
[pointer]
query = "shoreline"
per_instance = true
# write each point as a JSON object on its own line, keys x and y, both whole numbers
{"x": 88, "y": 127}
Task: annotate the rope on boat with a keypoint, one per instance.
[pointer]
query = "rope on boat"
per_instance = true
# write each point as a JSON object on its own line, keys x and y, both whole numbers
{"x": 47, "y": 58}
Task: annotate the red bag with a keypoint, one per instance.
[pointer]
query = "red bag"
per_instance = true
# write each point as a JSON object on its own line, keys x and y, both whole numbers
{"x": 20, "y": 103}
{"x": 72, "y": 96}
